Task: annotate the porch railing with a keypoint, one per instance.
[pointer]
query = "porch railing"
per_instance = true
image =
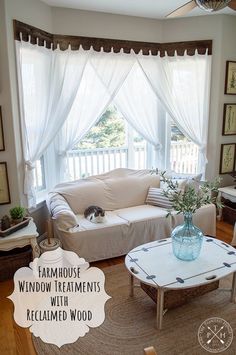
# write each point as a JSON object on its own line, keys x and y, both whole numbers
{"x": 87, "y": 162}
{"x": 184, "y": 157}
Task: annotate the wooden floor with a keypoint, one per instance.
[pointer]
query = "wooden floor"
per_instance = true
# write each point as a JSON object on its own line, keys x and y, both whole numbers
{"x": 15, "y": 340}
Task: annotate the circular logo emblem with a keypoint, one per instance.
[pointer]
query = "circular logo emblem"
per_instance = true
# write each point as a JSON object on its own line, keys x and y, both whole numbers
{"x": 215, "y": 335}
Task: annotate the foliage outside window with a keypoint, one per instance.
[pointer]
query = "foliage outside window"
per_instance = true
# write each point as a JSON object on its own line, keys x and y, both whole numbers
{"x": 107, "y": 133}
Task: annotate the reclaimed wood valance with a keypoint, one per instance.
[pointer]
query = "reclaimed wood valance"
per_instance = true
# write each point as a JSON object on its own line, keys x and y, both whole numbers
{"x": 36, "y": 35}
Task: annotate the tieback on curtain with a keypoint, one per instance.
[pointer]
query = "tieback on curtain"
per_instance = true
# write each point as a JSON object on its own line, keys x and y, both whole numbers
{"x": 29, "y": 183}
{"x": 62, "y": 154}
{"x": 29, "y": 165}
{"x": 157, "y": 147}
{"x": 203, "y": 153}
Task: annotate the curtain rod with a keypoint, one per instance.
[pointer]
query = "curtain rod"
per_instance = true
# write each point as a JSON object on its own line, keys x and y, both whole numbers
{"x": 22, "y": 30}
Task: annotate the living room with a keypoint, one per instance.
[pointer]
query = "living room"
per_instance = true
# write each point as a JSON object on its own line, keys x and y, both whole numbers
{"x": 123, "y": 23}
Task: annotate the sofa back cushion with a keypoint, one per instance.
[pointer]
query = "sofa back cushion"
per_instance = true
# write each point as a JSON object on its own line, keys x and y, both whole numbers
{"x": 117, "y": 189}
{"x": 82, "y": 194}
{"x": 129, "y": 191}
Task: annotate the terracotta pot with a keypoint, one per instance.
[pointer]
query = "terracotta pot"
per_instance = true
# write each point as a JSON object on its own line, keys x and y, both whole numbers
{"x": 17, "y": 221}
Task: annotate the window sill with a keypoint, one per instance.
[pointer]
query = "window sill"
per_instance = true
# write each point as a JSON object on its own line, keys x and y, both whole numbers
{"x": 40, "y": 201}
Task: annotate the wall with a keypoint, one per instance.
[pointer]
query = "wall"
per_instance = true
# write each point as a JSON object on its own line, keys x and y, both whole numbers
{"x": 98, "y": 24}
{"x": 9, "y": 155}
{"x": 228, "y": 53}
{"x": 220, "y": 28}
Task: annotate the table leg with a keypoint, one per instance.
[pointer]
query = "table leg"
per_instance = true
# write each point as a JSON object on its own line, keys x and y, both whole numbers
{"x": 234, "y": 236}
{"x": 35, "y": 248}
{"x": 131, "y": 282}
{"x": 233, "y": 292}
{"x": 219, "y": 211}
{"x": 160, "y": 306}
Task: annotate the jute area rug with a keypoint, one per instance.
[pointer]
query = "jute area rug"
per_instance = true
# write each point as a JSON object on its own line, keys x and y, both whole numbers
{"x": 129, "y": 326}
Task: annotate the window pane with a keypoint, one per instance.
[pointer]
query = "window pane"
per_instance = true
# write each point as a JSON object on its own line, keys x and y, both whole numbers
{"x": 183, "y": 153}
{"x": 108, "y": 132}
{"x": 110, "y": 144}
{"x": 39, "y": 175}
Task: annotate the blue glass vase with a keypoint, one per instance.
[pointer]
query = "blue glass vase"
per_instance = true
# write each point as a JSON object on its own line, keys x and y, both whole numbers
{"x": 187, "y": 239}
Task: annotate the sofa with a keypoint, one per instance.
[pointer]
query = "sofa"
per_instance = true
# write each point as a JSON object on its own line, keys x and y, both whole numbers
{"x": 130, "y": 221}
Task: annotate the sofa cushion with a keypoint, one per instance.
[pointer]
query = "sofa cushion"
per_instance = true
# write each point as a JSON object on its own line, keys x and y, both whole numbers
{"x": 155, "y": 197}
{"x": 141, "y": 213}
{"x": 112, "y": 219}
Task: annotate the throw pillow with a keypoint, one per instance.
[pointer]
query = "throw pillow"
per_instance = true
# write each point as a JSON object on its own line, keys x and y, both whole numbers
{"x": 182, "y": 183}
{"x": 196, "y": 177}
{"x": 155, "y": 198}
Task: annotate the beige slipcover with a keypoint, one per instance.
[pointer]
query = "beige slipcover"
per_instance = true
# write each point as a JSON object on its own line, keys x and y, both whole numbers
{"x": 129, "y": 221}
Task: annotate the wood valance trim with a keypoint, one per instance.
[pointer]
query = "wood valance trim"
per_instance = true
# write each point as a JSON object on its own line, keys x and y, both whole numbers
{"x": 22, "y": 30}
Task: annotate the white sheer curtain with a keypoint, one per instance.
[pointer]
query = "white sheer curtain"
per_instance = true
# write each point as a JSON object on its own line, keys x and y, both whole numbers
{"x": 48, "y": 82}
{"x": 140, "y": 106}
{"x": 103, "y": 76}
{"x": 182, "y": 84}
{"x": 64, "y": 93}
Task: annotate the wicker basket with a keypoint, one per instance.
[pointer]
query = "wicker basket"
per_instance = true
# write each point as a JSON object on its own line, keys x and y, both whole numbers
{"x": 229, "y": 211}
{"x": 175, "y": 298}
{"x": 11, "y": 261}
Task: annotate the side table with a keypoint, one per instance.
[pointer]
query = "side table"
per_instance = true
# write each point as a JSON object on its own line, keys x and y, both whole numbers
{"x": 228, "y": 193}
{"x": 21, "y": 238}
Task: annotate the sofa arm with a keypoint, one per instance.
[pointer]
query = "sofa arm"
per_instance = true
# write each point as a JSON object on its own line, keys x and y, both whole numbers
{"x": 61, "y": 212}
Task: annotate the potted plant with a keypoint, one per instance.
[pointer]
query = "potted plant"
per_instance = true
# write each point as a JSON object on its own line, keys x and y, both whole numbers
{"x": 187, "y": 238}
{"x": 17, "y": 214}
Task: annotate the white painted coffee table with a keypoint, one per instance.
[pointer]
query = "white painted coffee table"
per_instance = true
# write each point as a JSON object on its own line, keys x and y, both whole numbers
{"x": 155, "y": 265}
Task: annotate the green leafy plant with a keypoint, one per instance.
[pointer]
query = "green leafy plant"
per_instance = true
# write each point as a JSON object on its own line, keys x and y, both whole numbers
{"x": 194, "y": 196}
{"x": 17, "y": 212}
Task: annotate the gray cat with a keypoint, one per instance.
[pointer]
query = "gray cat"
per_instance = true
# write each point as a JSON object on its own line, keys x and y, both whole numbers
{"x": 95, "y": 214}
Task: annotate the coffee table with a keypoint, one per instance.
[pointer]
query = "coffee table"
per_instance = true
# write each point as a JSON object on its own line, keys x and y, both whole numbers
{"x": 155, "y": 265}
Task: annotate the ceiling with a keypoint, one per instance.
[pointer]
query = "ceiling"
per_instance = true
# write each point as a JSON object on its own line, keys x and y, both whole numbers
{"x": 143, "y": 8}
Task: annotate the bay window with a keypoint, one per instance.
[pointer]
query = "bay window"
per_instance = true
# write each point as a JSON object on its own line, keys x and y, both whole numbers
{"x": 85, "y": 112}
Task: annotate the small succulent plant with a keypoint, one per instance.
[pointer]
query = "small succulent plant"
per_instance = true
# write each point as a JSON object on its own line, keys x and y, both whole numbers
{"x": 17, "y": 212}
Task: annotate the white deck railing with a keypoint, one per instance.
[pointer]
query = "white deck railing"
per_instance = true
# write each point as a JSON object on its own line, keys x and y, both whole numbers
{"x": 184, "y": 157}
{"x": 87, "y": 162}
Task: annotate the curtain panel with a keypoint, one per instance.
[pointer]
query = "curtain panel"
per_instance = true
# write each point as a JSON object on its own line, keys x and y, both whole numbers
{"x": 48, "y": 84}
{"x": 64, "y": 93}
{"x": 182, "y": 84}
{"x": 103, "y": 76}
